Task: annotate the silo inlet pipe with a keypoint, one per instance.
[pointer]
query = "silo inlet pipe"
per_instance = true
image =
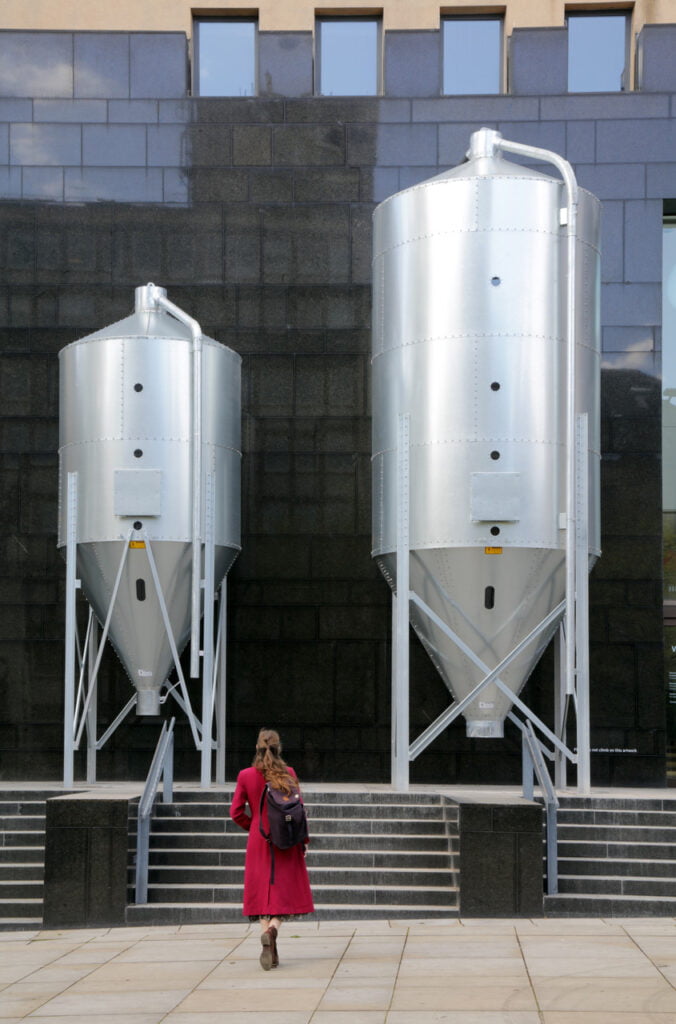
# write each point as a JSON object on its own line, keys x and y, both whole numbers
{"x": 159, "y": 298}
{"x": 484, "y": 143}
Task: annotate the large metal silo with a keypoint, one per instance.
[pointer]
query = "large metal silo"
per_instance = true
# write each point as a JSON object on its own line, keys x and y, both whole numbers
{"x": 149, "y": 412}
{"x": 471, "y": 302}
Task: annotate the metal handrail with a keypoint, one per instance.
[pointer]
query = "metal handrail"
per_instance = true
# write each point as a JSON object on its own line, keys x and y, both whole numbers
{"x": 533, "y": 763}
{"x": 162, "y": 766}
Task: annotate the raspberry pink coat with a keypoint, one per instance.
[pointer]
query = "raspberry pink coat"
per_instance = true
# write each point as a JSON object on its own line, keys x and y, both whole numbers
{"x": 290, "y": 893}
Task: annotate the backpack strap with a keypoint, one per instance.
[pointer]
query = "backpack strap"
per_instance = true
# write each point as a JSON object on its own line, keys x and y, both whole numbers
{"x": 266, "y": 835}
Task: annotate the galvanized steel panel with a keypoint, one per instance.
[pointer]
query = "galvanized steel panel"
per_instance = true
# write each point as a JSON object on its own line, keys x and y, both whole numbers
{"x": 469, "y": 329}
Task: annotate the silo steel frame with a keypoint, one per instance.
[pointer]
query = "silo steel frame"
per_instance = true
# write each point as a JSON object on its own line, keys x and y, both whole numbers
{"x": 572, "y": 660}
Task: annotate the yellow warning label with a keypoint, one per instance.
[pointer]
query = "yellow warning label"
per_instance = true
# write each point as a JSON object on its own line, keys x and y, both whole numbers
{"x": 492, "y": 551}
{"x": 137, "y": 543}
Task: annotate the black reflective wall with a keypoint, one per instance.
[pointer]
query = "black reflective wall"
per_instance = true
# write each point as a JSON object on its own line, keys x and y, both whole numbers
{"x": 256, "y": 216}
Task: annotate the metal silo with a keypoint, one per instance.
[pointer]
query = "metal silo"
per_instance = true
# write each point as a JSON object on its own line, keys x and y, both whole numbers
{"x": 149, "y": 482}
{"x": 485, "y": 354}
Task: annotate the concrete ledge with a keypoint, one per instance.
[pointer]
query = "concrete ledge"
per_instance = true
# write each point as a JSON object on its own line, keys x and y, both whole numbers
{"x": 500, "y": 856}
{"x": 86, "y": 860}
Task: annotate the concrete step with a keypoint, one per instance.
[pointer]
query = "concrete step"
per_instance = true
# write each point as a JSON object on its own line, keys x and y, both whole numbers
{"x": 315, "y": 810}
{"x": 328, "y": 841}
{"x": 367, "y": 896}
{"x": 27, "y": 796}
{"x": 22, "y": 822}
{"x": 329, "y": 875}
{"x": 220, "y": 913}
{"x": 18, "y": 854}
{"x": 615, "y": 833}
{"x": 615, "y": 885}
{"x": 602, "y": 850}
{"x": 10, "y": 907}
{"x": 32, "y": 838}
{"x": 616, "y": 803}
{"x": 23, "y": 889}
{"x": 621, "y": 817}
{"x": 20, "y": 871}
{"x": 9, "y": 808}
{"x": 348, "y": 826}
{"x": 20, "y": 924}
{"x": 574, "y": 905}
{"x": 616, "y": 866}
{"x": 413, "y": 859}
{"x": 315, "y": 795}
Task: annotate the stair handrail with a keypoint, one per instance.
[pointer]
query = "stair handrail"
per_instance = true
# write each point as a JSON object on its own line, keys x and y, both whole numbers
{"x": 533, "y": 764}
{"x": 162, "y": 766}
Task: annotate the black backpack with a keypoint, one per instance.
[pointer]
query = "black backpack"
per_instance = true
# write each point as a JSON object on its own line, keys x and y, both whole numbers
{"x": 287, "y": 820}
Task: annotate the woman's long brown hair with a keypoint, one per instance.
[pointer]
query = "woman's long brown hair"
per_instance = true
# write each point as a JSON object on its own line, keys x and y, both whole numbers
{"x": 269, "y": 761}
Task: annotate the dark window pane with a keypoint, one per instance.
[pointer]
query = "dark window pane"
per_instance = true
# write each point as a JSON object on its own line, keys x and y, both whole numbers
{"x": 597, "y": 52}
{"x": 472, "y": 55}
{"x": 348, "y": 57}
{"x": 226, "y": 57}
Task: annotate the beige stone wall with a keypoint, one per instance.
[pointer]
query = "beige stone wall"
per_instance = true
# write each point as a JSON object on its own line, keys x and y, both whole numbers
{"x": 298, "y": 15}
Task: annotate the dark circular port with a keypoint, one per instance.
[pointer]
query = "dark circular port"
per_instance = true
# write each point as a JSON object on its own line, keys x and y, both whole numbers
{"x": 138, "y": 387}
{"x": 495, "y": 386}
{"x": 138, "y": 453}
{"x": 495, "y": 530}
{"x": 138, "y": 525}
{"x": 495, "y": 456}
{"x": 495, "y": 281}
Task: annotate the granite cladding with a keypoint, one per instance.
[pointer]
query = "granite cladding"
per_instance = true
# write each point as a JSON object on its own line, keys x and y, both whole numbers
{"x": 255, "y": 214}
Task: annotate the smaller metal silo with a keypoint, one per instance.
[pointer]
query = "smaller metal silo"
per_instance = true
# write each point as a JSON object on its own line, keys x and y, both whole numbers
{"x": 149, "y": 486}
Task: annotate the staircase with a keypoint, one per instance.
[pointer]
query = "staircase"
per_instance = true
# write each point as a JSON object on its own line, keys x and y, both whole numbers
{"x": 22, "y": 857}
{"x": 617, "y": 858}
{"x": 372, "y": 855}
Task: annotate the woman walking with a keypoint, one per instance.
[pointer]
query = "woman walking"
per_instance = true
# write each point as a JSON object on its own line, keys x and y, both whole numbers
{"x": 269, "y": 897}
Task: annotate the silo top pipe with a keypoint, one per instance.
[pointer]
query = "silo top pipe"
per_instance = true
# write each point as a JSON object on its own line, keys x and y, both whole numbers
{"x": 149, "y": 297}
{"x": 484, "y": 143}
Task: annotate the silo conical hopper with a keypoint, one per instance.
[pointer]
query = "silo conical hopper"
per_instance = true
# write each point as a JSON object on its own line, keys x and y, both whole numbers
{"x": 469, "y": 341}
{"x": 127, "y": 429}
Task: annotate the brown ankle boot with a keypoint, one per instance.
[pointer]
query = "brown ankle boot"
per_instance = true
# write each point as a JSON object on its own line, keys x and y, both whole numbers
{"x": 268, "y": 957}
{"x": 275, "y": 956}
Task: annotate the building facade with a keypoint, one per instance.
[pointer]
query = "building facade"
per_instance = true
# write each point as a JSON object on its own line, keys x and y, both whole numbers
{"x": 121, "y": 163}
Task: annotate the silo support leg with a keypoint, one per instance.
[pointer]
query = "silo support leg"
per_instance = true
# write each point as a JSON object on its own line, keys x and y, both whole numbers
{"x": 400, "y": 689}
{"x": 581, "y": 638}
{"x": 221, "y": 681}
{"x": 561, "y": 704}
{"x": 92, "y": 712}
{"x": 208, "y": 635}
{"x": 71, "y": 627}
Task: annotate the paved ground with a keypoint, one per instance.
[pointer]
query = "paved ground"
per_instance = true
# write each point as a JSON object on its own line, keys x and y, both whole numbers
{"x": 560, "y": 971}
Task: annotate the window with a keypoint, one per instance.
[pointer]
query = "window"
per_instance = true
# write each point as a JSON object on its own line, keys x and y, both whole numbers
{"x": 225, "y": 56}
{"x": 597, "y": 52}
{"x": 472, "y": 55}
{"x": 348, "y": 56}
